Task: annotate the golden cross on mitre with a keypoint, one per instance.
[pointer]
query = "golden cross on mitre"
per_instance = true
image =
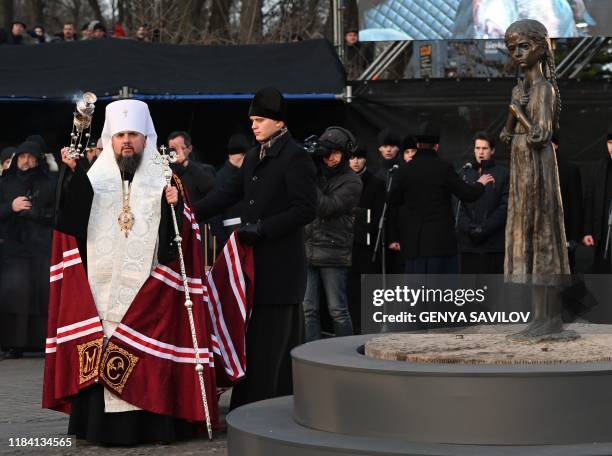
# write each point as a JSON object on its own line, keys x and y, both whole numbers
{"x": 125, "y": 113}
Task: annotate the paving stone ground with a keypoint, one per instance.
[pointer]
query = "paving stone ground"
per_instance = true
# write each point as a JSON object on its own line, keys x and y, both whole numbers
{"x": 22, "y": 416}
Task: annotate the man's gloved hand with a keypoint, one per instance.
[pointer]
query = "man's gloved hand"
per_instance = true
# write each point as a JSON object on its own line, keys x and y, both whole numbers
{"x": 250, "y": 233}
{"x": 477, "y": 234}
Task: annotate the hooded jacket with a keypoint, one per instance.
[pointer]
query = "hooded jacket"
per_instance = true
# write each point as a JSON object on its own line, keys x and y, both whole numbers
{"x": 27, "y": 233}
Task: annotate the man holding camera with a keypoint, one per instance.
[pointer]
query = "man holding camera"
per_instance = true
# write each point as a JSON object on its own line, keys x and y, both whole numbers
{"x": 329, "y": 237}
{"x": 276, "y": 183}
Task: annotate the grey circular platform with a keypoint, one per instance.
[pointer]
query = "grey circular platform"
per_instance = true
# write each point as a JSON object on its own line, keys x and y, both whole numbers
{"x": 266, "y": 428}
{"x": 338, "y": 390}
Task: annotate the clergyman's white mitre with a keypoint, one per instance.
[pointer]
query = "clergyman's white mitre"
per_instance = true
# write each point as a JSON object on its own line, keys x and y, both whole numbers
{"x": 128, "y": 115}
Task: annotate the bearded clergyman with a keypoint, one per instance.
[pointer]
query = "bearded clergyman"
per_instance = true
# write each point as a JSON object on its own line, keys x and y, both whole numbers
{"x": 119, "y": 212}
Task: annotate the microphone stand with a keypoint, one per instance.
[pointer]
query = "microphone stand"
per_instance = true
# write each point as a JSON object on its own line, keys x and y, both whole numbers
{"x": 465, "y": 167}
{"x": 607, "y": 248}
{"x": 380, "y": 237}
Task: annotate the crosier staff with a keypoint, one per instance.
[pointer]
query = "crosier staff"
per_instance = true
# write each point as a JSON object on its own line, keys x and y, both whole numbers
{"x": 166, "y": 159}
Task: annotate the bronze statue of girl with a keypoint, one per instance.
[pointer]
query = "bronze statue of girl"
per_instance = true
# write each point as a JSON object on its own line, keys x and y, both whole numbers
{"x": 536, "y": 249}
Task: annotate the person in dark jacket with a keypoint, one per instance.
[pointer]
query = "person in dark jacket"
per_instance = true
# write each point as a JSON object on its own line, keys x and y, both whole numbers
{"x": 226, "y": 223}
{"x": 27, "y": 196}
{"x": 49, "y": 157}
{"x": 367, "y": 216}
{"x": 391, "y": 157}
{"x": 424, "y": 232}
{"x": 277, "y": 184}
{"x": 570, "y": 183}
{"x": 388, "y": 147}
{"x": 68, "y": 33}
{"x": 481, "y": 225}
{"x": 17, "y": 34}
{"x": 408, "y": 148}
{"x": 197, "y": 178}
{"x": 329, "y": 238}
{"x": 597, "y": 207}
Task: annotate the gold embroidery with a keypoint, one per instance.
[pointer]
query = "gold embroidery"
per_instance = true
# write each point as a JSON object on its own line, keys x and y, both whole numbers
{"x": 89, "y": 359}
{"x": 117, "y": 365}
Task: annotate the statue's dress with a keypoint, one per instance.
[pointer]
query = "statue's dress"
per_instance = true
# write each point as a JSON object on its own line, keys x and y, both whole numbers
{"x": 536, "y": 250}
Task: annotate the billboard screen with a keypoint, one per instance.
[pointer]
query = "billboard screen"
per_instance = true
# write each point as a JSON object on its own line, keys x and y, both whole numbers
{"x": 390, "y": 20}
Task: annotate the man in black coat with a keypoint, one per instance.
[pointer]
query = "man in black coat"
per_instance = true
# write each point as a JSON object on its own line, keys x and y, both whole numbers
{"x": 224, "y": 224}
{"x": 572, "y": 198}
{"x": 389, "y": 149}
{"x": 481, "y": 225}
{"x": 277, "y": 183}
{"x": 198, "y": 178}
{"x": 367, "y": 216}
{"x": 391, "y": 157}
{"x": 27, "y": 195}
{"x": 421, "y": 196}
{"x": 597, "y": 207}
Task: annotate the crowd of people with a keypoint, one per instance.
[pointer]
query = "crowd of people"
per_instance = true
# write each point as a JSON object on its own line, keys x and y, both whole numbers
{"x": 438, "y": 220}
{"x": 311, "y": 212}
{"x": 20, "y": 33}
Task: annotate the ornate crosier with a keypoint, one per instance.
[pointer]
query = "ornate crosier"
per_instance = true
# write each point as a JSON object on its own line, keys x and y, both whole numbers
{"x": 166, "y": 158}
{"x": 81, "y": 124}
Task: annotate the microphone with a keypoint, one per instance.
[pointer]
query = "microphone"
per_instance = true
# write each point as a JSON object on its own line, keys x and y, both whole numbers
{"x": 468, "y": 165}
{"x": 393, "y": 168}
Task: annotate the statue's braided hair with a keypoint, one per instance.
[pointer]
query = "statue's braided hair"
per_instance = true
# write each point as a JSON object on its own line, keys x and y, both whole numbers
{"x": 537, "y": 32}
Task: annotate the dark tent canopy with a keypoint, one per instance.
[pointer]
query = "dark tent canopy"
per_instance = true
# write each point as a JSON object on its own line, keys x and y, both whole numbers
{"x": 307, "y": 69}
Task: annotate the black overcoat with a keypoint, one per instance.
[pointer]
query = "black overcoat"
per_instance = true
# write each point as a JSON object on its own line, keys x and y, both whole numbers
{"x": 280, "y": 191}
{"x": 595, "y": 210}
{"x": 24, "y": 256}
{"x": 421, "y": 196}
{"x": 197, "y": 178}
{"x": 571, "y": 196}
{"x": 488, "y": 212}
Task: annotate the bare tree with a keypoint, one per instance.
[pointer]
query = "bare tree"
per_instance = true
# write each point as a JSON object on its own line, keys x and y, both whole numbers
{"x": 95, "y": 6}
{"x": 37, "y": 15}
{"x": 8, "y": 12}
{"x": 219, "y": 26}
{"x": 185, "y": 21}
{"x": 251, "y": 21}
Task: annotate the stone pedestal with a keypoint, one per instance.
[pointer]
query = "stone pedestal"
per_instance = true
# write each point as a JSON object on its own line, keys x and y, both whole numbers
{"x": 459, "y": 398}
